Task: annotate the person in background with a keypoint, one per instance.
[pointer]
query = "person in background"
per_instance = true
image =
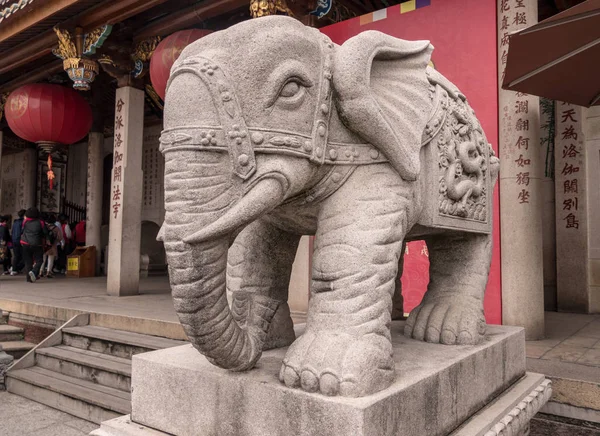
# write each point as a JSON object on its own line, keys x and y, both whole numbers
{"x": 17, "y": 228}
{"x": 57, "y": 265}
{"x": 5, "y": 243}
{"x": 53, "y": 240}
{"x": 80, "y": 233}
{"x": 33, "y": 238}
{"x": 66, "y": 247}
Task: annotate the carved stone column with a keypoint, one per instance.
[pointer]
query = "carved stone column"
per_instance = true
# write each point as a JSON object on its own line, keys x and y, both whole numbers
{"x": 577, "y": 208}
{"x": 30, "y": 159}
{"x": 126, "y": 198}
{"x": 547, "y": 133}
{"x": 1, "y": 144}
{"x": 520, "y": 187}
{"x": 95, "y": 177}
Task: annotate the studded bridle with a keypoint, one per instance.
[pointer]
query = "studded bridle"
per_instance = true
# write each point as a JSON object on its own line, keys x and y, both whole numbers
{"x": 243, "y": 142}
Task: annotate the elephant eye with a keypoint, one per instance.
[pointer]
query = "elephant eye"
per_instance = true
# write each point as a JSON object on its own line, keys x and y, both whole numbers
{"x": 290, "y": 89}
{"x": 291, "y": 95}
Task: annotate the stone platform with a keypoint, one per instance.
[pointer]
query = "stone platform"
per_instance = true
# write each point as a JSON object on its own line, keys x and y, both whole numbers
{"x": 438, "y": 390}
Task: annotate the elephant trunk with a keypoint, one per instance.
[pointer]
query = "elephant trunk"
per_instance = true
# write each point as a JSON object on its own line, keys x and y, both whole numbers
{"x": 198, "y": 194}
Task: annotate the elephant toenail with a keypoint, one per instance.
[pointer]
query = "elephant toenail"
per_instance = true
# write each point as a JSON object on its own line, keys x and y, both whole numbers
{"x": 448, "y": 337}
{"x": 465, "y": 338}
{"x": 309, "y": 381}
{"x": 419, "y": 333}
{"x": 329, "y": 385}
{"x": 290, "y": 377}
{"x": 432, "y": 335}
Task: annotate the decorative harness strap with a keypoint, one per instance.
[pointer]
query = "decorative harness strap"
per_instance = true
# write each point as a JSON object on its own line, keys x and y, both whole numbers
{"x": 241, "y": 142}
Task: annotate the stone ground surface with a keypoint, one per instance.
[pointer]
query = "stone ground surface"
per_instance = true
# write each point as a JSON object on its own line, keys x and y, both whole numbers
{"x": 544, "y": 425}
{"x": 570, "y": 337}
{"x": 23, "y": 417}
{"x": 89, "y": 294}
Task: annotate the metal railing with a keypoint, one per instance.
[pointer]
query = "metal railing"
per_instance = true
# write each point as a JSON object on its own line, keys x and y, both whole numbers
{"x": 73, "y": 211}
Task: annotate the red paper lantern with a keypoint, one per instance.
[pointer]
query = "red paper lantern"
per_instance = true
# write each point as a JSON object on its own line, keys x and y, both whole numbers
{"x": 166, "y": 53}
{"x": 48, "y": 115}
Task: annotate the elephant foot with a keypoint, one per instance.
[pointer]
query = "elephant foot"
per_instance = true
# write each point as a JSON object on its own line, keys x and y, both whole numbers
{"x": 335, "y": 363}
{"x": 447, "y": 319}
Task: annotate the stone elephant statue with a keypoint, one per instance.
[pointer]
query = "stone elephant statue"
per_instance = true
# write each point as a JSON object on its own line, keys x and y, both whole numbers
{"x": 273, "y": 132}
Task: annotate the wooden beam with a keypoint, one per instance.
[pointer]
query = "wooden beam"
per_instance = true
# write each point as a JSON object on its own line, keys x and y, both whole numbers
{"x": 188, "y": 17}
{"x": 110, "y": 11}
{"x": 27, "y": 52}
{"x": 41, "y": 73}
{"x": 22, "y": 21}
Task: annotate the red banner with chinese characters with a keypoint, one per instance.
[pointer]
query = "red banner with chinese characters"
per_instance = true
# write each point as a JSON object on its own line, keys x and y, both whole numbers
{"x": 463, "y": 33}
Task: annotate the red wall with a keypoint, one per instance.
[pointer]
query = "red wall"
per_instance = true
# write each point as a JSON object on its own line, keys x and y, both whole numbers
{"x": 463, "y": 33}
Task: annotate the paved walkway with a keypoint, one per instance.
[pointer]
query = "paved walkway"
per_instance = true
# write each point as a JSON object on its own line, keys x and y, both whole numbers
{"x": 570, "y": 338}
{"x": 151, "y": 312}
{"x": 89, "y": 294}
{"x": 23, "y": 417}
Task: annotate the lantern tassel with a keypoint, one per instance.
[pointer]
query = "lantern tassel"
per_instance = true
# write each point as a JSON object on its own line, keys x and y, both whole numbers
{"x": 50, "y": 173}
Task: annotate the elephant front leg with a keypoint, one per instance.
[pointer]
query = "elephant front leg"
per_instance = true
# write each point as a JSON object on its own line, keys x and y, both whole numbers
{"x": 260, "y": 262}
{"x": 346, "y": 348}
{"x": 452, "y": 309}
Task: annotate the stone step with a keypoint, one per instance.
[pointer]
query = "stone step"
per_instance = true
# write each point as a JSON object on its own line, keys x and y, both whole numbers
{"x": 544, "y": 425}
{"x": 17, "y": 349}
{"x": 117, "y": 343}
{"x": 102, "y": 369}
{"x": 10, "y": 333}
{"x": 77, "y": 397}
{"x": 575, "y": 389}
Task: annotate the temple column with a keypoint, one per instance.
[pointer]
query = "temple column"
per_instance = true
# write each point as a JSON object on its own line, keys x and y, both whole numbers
{"x": 30, "y": 160}
{"x": 577, "y": 208}
{"x": 521, "y": 196}
{"x": 547, "y": 134}
{"x": 1, "y": 144}
{"x": 126, "y": 198}
{"x": 93, "y": 232}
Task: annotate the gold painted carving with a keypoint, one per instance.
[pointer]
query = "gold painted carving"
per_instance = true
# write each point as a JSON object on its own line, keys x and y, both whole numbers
{"x": 66, "y": 47}
{"x": 143, "y": 50}
{"x": 261, "y": 8}
{"x": 3, "y": 98}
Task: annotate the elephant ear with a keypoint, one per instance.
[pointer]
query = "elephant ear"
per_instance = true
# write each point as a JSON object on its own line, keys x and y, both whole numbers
{"x": 383, "y": 95}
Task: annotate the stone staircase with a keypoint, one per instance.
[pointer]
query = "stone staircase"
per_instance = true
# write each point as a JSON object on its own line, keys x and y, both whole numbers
{"x": 83, "y": 370}
{"x": 11, "y": 339}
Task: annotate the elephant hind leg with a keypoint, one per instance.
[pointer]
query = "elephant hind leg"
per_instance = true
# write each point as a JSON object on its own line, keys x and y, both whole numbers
{"x": 452, "y": 309}
{"x": 260, "y": 261}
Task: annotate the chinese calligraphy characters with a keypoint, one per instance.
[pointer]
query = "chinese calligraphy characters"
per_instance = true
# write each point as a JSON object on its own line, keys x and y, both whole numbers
{"x": 118, "y": 158}
{"x": 569, "y": 164}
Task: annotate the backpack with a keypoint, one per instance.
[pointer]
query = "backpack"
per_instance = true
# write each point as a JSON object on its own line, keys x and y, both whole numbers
{"x": 51, "y": 234}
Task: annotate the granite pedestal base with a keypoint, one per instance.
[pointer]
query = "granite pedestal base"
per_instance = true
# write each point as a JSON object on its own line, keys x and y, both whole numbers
{"x": 439, "y": 390}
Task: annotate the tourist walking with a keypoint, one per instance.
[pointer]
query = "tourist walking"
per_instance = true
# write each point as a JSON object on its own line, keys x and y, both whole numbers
{"x": 53, "y": 240}
{"x": 5, "y": 243}
{"x": 17, "y": 228}
{"x": 33, "y": 238}
{"x": 66, "y": 247}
